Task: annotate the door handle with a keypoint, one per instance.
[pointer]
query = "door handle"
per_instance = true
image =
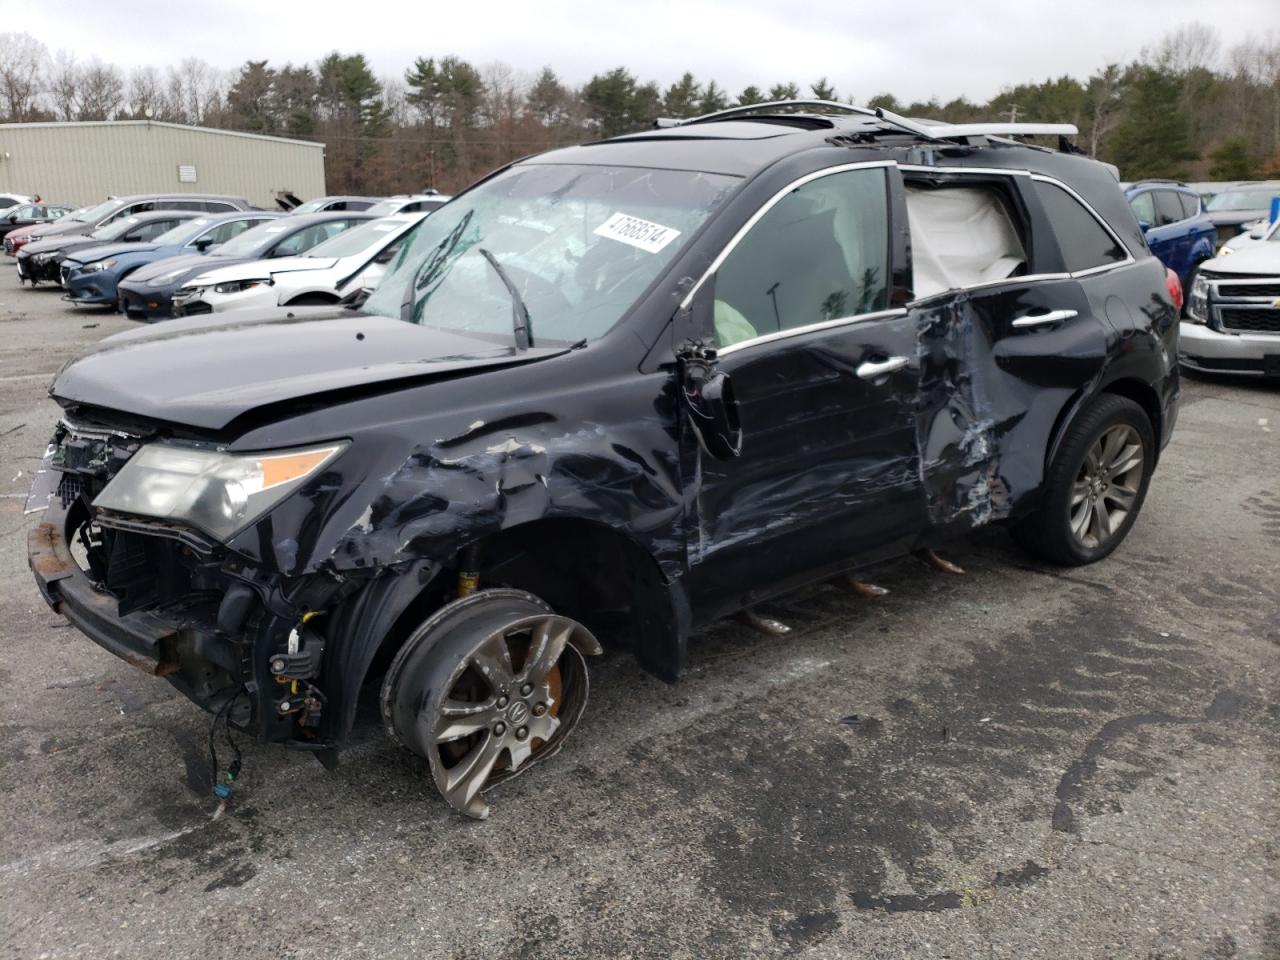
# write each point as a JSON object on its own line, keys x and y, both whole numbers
{"x": 870, "y": 371}
{"x": 1040, "y": 319}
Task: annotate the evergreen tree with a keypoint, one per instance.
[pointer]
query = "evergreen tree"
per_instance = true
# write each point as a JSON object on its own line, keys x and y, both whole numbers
{"x": 750, "y": 95}
{"x": 784, "y": 91}
{"x": 682, "y": 98}
{"x": 1154, "y": 138}
{"x": 823, "y": 90}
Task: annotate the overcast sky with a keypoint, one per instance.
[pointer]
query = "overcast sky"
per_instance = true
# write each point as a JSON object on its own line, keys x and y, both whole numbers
{"x": 913, "y": 50}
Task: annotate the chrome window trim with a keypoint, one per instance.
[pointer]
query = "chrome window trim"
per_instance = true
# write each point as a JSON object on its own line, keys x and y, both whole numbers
{"x": 812, "y": 328}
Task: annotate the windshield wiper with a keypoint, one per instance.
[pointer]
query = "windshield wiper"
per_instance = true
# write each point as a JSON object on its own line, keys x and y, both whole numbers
{"x": 429, "y": 268}
{"x": 519, "y": 312}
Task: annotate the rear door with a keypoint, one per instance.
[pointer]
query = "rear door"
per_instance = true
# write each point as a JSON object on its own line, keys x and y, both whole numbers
{"x": 825, "y": 380}
{"x": 1001, "y": 358}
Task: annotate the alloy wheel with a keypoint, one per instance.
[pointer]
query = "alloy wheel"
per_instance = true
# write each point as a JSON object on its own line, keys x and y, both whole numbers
{"x": 1106, "y": 486}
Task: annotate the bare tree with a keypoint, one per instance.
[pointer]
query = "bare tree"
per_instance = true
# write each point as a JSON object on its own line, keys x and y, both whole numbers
{"x": 64, "y": 85}
{"x": 1192, "y": 46}
{"x": 193, "y": 91}
{"x": 22, "y": 63}
{"x": 1104, "y": 104}
{"x": 144, "y": 93}
{"x": 101, "y": 93}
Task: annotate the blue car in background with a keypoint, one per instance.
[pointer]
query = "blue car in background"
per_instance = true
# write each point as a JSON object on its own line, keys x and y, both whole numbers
{"x": 1179, "y": 232}
{"x": 91, "y": 275}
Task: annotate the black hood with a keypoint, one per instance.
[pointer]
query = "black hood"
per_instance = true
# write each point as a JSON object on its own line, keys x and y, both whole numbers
{"x": 64, "y": 228}
{"x": 193, "y": 262}
{"x": 58, "y": 244}
{"x": 206, "y": 371}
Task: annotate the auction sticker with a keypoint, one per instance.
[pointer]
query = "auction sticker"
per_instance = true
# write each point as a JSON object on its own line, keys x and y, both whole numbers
{"x": 650, "y": 237}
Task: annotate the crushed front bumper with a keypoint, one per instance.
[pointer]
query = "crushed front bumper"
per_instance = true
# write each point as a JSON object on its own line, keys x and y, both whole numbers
{"x": 142, "y": 639}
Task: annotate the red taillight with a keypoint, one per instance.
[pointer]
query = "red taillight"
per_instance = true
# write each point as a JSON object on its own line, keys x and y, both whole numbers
{"x": 1175, "y": 288}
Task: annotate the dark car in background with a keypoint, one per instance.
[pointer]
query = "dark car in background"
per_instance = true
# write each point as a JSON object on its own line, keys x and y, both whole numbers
{"x": 19, "y": 237}
{"x": 1178, "y": 230}
{"x": 90, "y": 275}
{"x": 41, "y": 260}
{"x": 1233, "y": 209}
{"x": 31, "y": 215}
{"x": 147, "y": 294}
{"x": 113, "y": 208}
{"x": 610, "y": 394}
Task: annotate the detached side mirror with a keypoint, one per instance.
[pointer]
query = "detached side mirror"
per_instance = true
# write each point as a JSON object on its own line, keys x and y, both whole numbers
{"x": 707, "y": 394}
{"x": 387, "y": 255}
{"x": 203, "y": 244}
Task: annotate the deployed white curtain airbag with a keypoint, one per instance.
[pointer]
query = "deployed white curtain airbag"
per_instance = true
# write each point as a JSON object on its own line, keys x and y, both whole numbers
{"x": 960, "y": 236}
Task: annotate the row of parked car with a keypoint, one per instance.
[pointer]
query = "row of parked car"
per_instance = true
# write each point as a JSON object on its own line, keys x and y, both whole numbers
{"x": 155, "y": 256}
{"x": 1224, "y": 246}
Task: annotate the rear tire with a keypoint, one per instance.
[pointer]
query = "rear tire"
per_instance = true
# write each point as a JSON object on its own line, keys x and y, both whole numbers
{"x": 1095, "y": 486}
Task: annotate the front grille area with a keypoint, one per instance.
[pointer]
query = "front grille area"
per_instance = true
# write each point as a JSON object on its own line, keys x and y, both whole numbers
{"x": 1249, "y": 319}
{"x": 196, "y": 309}
{"x": 1259, "y": 289}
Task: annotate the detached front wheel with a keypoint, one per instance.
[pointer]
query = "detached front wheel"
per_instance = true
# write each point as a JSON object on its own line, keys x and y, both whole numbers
{"x": 1095, "y": 486}
{"x": 486, "y": 687}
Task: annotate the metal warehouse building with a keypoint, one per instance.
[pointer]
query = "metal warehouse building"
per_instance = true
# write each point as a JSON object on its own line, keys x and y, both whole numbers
{"x": 85, "y": 162}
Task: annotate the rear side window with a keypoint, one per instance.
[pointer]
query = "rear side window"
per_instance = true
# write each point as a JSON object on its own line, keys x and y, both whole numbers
{"x": 820, "y": 253}
{"x": 6, "y": 202}
{"x": 1168, "y": 208}
{"x": 1190, "y": 205}
{"x": 217, "y": 206}
{"x": 1084, "y": 242}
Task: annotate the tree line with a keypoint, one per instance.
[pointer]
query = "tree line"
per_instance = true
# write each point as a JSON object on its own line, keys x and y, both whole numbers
{"x": 1186, "y": 108}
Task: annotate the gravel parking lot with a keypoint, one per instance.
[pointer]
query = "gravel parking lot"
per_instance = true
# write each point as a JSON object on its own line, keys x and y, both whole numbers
{"x": 1021, "y": 762}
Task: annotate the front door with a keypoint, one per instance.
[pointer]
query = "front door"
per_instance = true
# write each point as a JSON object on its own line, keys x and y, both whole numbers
{"x": 824, "y": 376}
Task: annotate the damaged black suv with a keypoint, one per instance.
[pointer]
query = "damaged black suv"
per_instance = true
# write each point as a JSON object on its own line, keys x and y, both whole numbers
{"x": 610, "y": 394}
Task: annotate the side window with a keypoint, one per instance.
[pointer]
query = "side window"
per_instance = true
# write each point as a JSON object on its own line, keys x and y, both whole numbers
{"x": 1190, "y": 205}
{"x": 217, "y": 206}
{"x": 153, "y": 229}
{"x": 820, "y": 253}
{"x": 1084, "y": 242}
{"x": 225, "y": 231}
{"x": 1168, "y": 208}
{"x": 6, "y": 202}
{"x": 1144, "y": 208}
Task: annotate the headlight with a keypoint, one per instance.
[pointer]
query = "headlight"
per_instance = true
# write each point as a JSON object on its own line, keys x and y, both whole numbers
{"x": 1224, "y": 250}
{"x": 1198, "y": 303}
{"x": 217, "y": 492}
{"x": 98, "y": 266}
{"x": 239, "y": 286}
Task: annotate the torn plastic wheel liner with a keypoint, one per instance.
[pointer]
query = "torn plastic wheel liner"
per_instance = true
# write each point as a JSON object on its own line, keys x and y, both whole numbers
{"x": 486, "y": 687}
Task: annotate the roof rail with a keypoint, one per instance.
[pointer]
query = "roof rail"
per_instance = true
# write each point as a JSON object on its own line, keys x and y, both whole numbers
{"x": 748, "y": 108}
{"x": 926, "y": 131}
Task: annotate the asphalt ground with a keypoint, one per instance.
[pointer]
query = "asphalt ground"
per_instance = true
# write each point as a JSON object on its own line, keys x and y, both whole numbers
{"x": 1019, "y": 762}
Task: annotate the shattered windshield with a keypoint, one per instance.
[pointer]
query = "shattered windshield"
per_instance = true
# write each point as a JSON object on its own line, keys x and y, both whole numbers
{"x": 579, "y": 243}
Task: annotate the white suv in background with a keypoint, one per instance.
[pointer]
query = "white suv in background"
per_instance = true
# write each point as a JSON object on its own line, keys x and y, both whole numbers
{"x": 324, "y": 274}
